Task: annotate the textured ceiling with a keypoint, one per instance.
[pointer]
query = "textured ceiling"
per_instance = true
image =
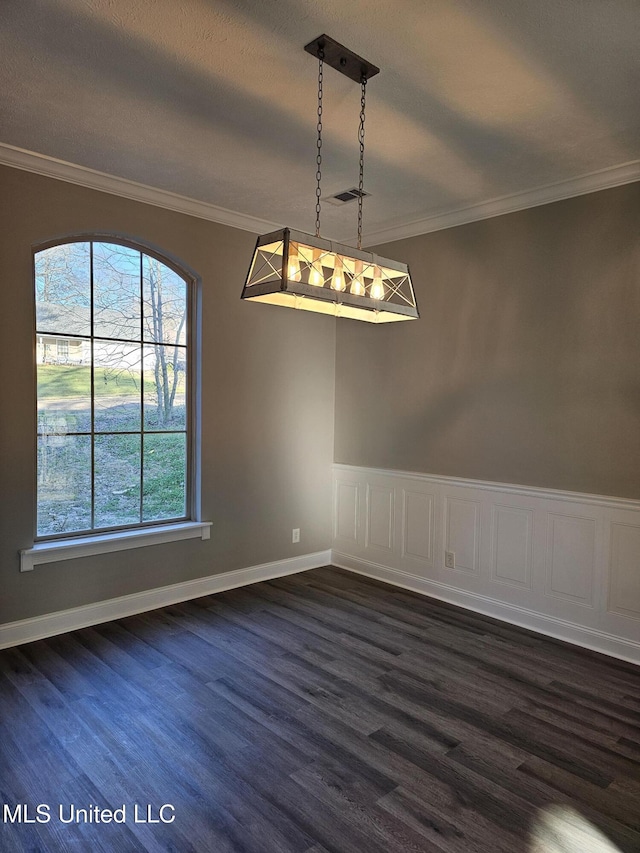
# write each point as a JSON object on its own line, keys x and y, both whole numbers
{"x": 215, "y": 99}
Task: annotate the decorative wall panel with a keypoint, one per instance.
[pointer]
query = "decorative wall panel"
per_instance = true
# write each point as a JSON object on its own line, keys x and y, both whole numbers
{"x": 562, "y": 563}
{"x": 511, "y": 535}
{"x": 379, "y": 517}
{"x": 462, "y": 532}
{"x": 570, "y": 558}
{"x": 624, "y": 588}
{"x": 346, "y": 511}
{"x": 417, "y": 526}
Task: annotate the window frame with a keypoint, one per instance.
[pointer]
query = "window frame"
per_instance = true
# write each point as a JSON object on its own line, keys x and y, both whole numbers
{"x": 192, "y": 409}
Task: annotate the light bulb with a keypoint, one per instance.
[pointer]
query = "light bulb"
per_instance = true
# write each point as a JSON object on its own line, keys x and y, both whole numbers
{"x": 377, "y": 287}
{"x": 316, "y": 276}
{"x": 357, "y": 283}
{"x": 293, "y": 270}
{"x": 337, "y": 280}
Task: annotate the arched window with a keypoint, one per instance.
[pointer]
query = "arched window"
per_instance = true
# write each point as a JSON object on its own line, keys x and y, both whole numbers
{"x": 114, "y": 373}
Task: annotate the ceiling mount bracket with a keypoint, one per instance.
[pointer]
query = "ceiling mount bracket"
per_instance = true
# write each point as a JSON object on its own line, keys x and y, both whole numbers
{"x": 342, "y": 59}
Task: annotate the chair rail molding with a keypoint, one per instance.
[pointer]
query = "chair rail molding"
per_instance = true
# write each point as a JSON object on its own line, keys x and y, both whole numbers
{"x": 565, "y": 564}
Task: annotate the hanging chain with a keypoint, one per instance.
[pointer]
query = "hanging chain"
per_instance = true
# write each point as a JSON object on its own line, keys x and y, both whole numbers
{"x": 361, "y": 140}
{"x": 319, "y": 142}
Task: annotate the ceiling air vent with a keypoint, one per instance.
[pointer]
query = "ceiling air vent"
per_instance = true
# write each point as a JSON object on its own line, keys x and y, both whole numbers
{"x": 346, "y": 196}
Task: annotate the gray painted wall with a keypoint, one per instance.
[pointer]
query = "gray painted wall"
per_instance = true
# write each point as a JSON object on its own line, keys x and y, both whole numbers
{"x": 525, "y": 366}
{"x": 267, "y": 405}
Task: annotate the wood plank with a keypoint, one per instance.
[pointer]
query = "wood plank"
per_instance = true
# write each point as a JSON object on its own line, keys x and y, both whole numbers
{"x": 320, "y": 713}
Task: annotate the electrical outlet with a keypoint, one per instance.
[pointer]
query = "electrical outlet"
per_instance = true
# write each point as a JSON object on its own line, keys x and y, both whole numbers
{"x": 295, "y": 534}
{"x": 450, "y": 559}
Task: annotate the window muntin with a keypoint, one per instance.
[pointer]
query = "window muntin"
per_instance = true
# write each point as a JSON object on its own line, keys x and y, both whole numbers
{"x": 113, "y": 419}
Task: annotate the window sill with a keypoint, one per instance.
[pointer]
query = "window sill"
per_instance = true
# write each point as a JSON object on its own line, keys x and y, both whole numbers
{"x": 104, "y": 543}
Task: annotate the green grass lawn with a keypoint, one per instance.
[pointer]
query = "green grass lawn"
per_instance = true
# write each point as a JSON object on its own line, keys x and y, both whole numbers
{"x": 65, "y": 380}
{"x": 64, "y": 481}
{"x": 64, "y": 458}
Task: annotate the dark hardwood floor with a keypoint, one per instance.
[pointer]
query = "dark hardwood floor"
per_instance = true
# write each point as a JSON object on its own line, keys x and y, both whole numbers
{"x": 319, "y": 713}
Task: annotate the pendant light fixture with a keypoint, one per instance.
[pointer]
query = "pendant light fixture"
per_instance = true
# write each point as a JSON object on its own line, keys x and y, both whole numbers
{"x": 298, "y": 270}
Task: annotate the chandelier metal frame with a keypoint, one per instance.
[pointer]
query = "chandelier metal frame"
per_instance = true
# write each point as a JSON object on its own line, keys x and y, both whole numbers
{"x": 297, "y": 270}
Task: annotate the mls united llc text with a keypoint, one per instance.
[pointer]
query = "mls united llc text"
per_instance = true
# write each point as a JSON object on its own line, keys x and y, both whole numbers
{"x": 44, "y": 813}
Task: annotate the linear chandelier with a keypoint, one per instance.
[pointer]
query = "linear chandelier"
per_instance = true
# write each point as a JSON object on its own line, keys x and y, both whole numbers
{"x": 298, "y": 270}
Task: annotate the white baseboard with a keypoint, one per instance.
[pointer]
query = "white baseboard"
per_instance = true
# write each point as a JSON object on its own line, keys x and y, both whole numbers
{"x": 559, "y": 629}
{"x": 40, "y": 627}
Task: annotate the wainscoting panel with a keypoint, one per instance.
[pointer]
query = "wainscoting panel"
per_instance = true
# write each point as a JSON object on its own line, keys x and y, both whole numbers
{"x": 563, "y": 563}
{"x": 624, "y": 590}
{"x": 380, "y": 507}
{"x": 462, "y": 533}
{"x": 417, "y": 527}
{"x": 346, "y": 511}
{"x": 571, "y": 557}
{"x": 511, "y": 544}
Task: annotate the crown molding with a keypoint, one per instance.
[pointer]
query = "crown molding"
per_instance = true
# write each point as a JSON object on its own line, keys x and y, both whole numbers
{"x": 614, "y": 176}
{"x": 51, "y": 167}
